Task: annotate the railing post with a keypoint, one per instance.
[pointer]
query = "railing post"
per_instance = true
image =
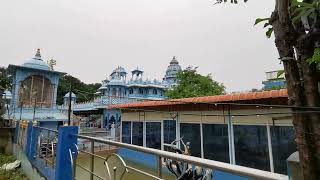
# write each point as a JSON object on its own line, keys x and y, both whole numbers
{"x": 92, "y": 160}
{"x": 294, "y": 168}
{"x": 159, "y": 167}
{"x": 28, "y": 138}
{"x": 16, "y": 132}
{"x": 33, "y": 143}
{"x": 66, "y": 141}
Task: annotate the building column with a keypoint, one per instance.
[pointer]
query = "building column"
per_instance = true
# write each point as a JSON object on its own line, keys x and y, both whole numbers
{"x": 144, "y": 130}
{"x": 201, "y": 137}
{"x": 162, "y": 135}
{"x": 231, "y": 139}
{"x": 131, "y": 131}
{"x": 270, "y": 148}
{"x": 178, "y": 128}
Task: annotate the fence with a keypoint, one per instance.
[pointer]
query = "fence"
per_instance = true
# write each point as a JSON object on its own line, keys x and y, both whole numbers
{"x": 54, "y": 153}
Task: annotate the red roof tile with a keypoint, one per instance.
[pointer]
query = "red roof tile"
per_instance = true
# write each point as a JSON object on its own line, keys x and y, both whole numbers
{"x": 250, "y": 96}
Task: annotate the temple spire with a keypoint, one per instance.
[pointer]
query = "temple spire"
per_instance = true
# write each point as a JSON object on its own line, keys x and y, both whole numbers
{"x": 174, "y": 60}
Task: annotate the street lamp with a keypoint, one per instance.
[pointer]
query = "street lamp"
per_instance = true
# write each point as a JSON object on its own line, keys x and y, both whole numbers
{"x": 69, "y": 106}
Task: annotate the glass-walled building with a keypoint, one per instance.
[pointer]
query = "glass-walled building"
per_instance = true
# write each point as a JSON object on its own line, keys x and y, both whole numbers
{"x": 223, "y": 128}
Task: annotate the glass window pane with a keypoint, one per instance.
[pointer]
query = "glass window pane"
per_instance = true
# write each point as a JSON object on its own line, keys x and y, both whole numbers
{"x": 251, "y": 146}
{"x": 215, "y": 142}
{"x": 137, "y": 133}
{"x": 153, "y": 138}
{"x": 169, "y": 131}
{"x": 283, "y": 145}
{"x": 126, "y": 132}
{"x": 191, "y": 133}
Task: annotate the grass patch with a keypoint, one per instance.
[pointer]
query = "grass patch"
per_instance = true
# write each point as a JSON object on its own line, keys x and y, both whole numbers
{"x": 16, "y": 174}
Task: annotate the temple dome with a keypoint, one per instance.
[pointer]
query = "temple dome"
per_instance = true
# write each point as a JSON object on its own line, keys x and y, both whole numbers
{"x": 173, "y": 68}
{"x": 36, "y": 62}
{"x": 119, "y": 69}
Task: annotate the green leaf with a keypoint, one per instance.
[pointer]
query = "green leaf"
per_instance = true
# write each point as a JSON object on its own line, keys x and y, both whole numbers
{"x": 258, "y": 20}
{"x": 315, "y": 59}
{"x": 303, "y": 12}
{"x": 269, "y": 32}
{"x": 280, "y": 72}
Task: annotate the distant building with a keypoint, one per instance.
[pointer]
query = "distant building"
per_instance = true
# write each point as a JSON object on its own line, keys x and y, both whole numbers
{"x": 118, "y": 88}
{"x": 273, "y": 81}
{"x": 34, "y": 92}
{"x": 118, "y": 85}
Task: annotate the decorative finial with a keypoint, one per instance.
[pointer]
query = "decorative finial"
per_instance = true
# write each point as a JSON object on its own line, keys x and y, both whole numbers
{"x": 174, "y": 58}
{"x": 38, "y": 55}
{"x": 52, "y": 63}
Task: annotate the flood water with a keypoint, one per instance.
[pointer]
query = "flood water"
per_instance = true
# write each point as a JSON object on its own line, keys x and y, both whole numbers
{"x": 101, "y": 170}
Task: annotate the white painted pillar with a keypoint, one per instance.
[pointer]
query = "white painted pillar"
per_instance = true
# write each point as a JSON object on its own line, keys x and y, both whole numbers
{"x": 162, "y": 135}
{"x": 178, "y": 128}
{"x": 131, "y": 131}
{"x": 231, "y": 139}
{"x": 120, "y": 131}
{"x": 144, "y": 130}
{"x": 270, "y": 148}
{"x": 201, "y": 137}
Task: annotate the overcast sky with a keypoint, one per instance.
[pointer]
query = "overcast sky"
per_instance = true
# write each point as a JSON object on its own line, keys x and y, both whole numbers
{"x": 89, "y": 38}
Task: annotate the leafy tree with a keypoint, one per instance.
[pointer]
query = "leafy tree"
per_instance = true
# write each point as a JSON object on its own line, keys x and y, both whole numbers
{"x": 84, "y": 92}
{"x": 192, "y": 84}
{"x": 296, "y": 28}
{"x": 5, "y": 83}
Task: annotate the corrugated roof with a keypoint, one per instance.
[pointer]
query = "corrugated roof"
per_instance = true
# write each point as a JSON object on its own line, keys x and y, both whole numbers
{"x": 250, "y": 96}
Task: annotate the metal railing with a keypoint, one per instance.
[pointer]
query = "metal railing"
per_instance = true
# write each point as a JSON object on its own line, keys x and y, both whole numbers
{"x": 92, "y": 155}
{"x": 46, "y": 146}
{"x": 204, "y": 163}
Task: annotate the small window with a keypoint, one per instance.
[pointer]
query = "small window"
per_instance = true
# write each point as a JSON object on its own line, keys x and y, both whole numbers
{"x": 155, "y": 91}
{"x": 130, "y": 91}
{"x": 140, "y": 91}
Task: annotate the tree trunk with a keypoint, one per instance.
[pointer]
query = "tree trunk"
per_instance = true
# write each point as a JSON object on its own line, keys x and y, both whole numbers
{"x": 305, "y": 50}
{"x": 302, "y": 88}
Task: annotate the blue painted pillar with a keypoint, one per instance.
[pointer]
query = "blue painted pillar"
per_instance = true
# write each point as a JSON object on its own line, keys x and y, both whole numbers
{"x": 33, "y": 143}
{"x": 66, "y": 141}
{"x": 16, "y": 132}
{"x": 28, "y": 138}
